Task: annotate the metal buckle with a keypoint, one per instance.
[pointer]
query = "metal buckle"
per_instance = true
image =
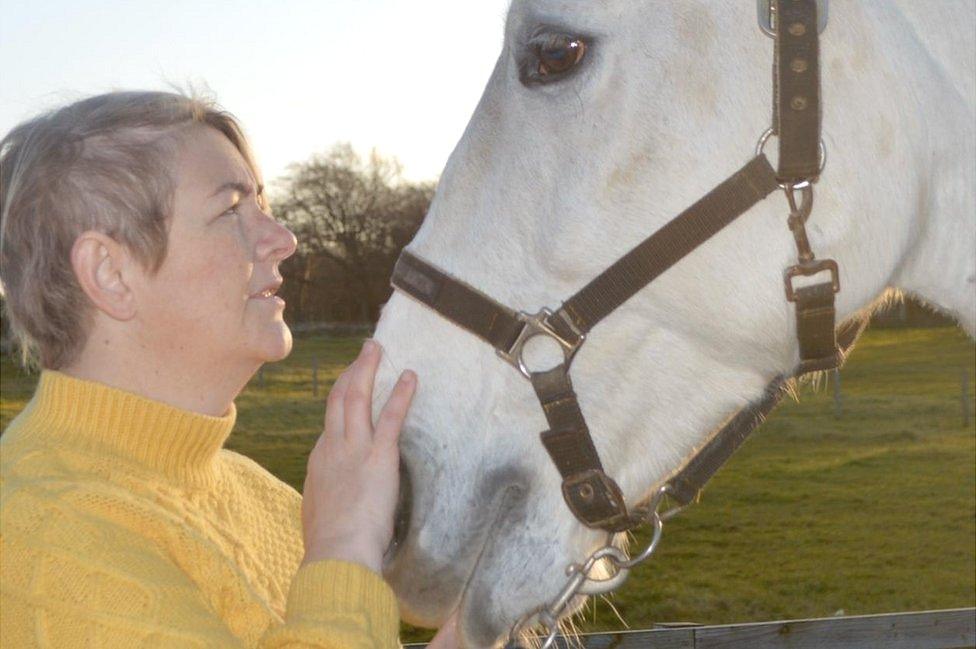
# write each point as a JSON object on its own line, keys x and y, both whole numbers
{"x": 592, "y": 486}
{"x": 536, "y": 324}
{"x": 767, "y": 18}
{"x": 811, "y": 268}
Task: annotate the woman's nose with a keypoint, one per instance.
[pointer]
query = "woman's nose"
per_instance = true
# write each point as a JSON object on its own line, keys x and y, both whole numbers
{"x": 277, "y": 242}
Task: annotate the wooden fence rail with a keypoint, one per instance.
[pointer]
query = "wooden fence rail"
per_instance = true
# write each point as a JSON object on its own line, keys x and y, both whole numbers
{"x": 945, "y": 629}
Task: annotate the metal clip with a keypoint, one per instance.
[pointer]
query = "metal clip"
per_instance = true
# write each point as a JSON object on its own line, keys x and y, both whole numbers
{"x": 799, "y": 213}
{"x": 766, "y": 14}
{"x": 579, "y": 582}
{"x": 808, "y": 264}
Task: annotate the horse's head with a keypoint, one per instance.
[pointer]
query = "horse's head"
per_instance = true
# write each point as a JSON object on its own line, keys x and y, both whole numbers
{"x": 600, "y": 122}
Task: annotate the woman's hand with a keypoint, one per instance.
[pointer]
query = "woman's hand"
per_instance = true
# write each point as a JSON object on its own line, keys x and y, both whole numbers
{"x": 446, "y": 637}
{"x": 353, "y": 479}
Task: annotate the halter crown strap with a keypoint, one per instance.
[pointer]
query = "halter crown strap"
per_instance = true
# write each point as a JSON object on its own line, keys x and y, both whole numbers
{"x": 796, "y": 117}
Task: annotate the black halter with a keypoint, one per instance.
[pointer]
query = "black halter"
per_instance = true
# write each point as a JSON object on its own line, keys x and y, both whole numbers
{"x": 594, "y": 497}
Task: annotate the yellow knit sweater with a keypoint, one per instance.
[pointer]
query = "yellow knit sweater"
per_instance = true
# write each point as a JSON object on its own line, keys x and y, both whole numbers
{"x": 124, "y": 523}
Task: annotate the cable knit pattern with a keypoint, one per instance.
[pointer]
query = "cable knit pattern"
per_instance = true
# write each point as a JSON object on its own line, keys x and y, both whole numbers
{"x": 124, "y": 523}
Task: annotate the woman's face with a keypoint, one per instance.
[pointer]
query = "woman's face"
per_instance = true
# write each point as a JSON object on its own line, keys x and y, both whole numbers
{"x": 212, "y": 302}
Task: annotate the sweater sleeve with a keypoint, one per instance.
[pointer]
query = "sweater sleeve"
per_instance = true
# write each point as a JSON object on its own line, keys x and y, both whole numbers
{"x": 337, "y": 604}
{"x": 70, "y": 580}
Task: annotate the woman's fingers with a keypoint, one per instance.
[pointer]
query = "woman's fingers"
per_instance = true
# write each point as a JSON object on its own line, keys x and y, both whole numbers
{"x": 349, "y": 412}
{"x": 358, "y": 402}
{"x": 395, "y": 410}
{"x": 352, "y": 482}
{"x": 334, "y": 415}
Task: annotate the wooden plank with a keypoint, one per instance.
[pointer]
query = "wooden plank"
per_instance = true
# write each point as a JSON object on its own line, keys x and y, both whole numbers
{"x": 647, "y": 639}
{"x": 642, "y": 639}
{"x": 918, "y": 630}
{"x": 945, "y": 629}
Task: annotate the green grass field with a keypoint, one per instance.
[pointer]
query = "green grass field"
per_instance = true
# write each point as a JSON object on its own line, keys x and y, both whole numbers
{"x": 874, "y": 511}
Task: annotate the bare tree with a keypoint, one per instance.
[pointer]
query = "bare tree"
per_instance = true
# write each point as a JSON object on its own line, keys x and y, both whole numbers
{"x": 352, "y": 216}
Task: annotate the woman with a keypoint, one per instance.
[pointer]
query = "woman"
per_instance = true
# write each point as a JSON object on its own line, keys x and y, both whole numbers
{"x": 140, "y": 265}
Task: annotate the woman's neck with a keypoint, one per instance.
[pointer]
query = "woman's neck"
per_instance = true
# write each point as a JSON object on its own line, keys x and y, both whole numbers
{"x": 203, "y": 385}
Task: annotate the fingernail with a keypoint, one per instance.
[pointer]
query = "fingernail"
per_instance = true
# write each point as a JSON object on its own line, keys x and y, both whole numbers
{"x": 408, "y": 377}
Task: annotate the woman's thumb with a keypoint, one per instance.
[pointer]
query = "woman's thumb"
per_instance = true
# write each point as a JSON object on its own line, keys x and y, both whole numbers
{"x": 446, "y": 637}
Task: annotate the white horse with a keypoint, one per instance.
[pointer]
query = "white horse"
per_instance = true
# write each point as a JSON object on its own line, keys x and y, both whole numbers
{"x": 552, "y": 182}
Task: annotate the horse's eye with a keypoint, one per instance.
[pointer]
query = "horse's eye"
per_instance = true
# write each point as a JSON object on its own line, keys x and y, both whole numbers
{"x": 559, "y": 54}
{"x": 550, "y": 56}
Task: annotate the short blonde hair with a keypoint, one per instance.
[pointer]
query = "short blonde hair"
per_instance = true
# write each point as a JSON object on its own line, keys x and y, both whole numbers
{"x": 103, "y": 163}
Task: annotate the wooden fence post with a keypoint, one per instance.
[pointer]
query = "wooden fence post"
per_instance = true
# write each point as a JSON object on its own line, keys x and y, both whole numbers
{"x": 838, "y": 397}
{"x": 315, "y": 377}
{"x": 964, "y": 398}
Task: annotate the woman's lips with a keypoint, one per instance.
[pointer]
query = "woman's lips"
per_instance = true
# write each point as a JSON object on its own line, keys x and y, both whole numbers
{"x": 270, "y": 298}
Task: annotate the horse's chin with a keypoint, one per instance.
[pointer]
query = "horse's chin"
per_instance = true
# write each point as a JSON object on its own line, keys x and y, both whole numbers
{"x": 484, "y": 619}
{"x": 476, "y": 627}
{"x": 471, "y": 617}
{"x": 430, "y": 591}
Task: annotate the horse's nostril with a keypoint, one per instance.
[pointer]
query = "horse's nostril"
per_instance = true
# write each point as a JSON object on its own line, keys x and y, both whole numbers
{"x": 401, "y": 519}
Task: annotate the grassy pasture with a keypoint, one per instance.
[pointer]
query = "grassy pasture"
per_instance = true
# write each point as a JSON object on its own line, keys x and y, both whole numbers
{"x": 874, "y": 511}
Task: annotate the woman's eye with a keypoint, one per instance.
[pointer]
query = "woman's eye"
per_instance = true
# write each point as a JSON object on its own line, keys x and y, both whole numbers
{"x": 233, "y": 209}
{"x": 559, "y": 54}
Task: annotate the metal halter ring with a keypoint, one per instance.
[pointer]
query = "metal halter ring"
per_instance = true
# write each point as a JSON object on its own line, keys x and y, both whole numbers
{"x": 765, "y": 11}
{"x": 761, "y": 144}
{"x": 537, "y": 324}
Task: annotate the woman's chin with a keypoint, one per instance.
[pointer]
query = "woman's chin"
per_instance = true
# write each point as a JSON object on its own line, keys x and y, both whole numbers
{"x": 276, "y": 344}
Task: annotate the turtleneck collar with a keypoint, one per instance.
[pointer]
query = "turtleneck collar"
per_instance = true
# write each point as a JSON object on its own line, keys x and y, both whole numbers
{"x": 177, "y": 443}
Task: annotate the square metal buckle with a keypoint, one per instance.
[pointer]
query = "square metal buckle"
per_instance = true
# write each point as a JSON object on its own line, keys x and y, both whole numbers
{"x": 536, "y": 324}
{"x": 811, "y": 268}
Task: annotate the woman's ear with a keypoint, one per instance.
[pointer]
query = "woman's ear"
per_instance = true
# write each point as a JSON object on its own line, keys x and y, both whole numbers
{"x": 101, "y": 265}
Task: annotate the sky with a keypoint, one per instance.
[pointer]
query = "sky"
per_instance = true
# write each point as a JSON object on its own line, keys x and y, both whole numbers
{"x": 402, "y": 76}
